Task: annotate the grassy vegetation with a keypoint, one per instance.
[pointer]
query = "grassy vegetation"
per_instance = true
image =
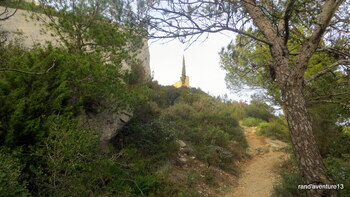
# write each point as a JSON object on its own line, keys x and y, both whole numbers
{"x": 209, "y": 127}
{"x": 252, "y": 122}
{"x": 205, "y": 124}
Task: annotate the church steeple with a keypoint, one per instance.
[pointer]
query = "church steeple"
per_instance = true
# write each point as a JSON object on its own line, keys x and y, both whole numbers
{"x": 184, "y": 80}
{"x": 183, "y": 75}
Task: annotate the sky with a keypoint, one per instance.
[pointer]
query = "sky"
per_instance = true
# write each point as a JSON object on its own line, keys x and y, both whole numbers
{"x": 202, "y": 64}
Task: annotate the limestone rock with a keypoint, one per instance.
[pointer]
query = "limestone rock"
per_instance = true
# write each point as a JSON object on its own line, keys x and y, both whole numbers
{"x": 105, "y": 123}
{"x": 181, "y": 143}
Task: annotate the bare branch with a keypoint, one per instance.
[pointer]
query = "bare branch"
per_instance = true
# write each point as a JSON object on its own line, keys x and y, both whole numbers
{"x": 30, "y": 73}
{"x": 5, "y": 12}
{"x": 345, "y": 104}
{"x": 328, "y": 69}
{"x": 328, "y": 10}
{"x": 331, "y": 50}
{"x": 329, "y": 96}
{"x": 178, "y": 21}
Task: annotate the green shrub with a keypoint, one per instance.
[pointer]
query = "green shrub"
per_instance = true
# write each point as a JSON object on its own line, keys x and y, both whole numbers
{"x": 155, "y": 140}
{"x": 252, "y": 122}
{"x": 340, "y": 145}
{"x": 179, "y": 112}
{"x": 11, "y": 182}
{"x": 210, "y": 127}
{"x": 340, "y": 170}
{"x": 72, "y": 161}
{"x": 216, "y": 137}
{"x": 289, "y": 186}
{"x": 290, "y": 178}
{"x": 77, "y": 82}
{"x": 259, "y": 109}
{"x": 276, "y": 128}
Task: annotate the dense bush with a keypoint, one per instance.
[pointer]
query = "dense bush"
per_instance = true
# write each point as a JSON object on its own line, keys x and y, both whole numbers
{"x": 154, "y": 140}
{"x": 258, "y": 109}
{"x": 72, "y": 161}
{"x": 276, "y": 128}
{"x": 290, "y": 178}
{"x": 339, "y": 168}
{"x": 11, "y": 182}
{"x": 252, "y": 122}
{"x": 340, "y": 146}
{"x": 37, "y": 113}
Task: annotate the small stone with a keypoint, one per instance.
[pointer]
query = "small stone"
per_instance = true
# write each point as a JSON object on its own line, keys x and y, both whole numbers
{"x": 181, "y": 143}
{"x": 183, "y": 159}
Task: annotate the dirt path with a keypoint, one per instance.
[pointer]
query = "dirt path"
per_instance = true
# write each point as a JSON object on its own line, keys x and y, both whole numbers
{"x": 259, "y": 173}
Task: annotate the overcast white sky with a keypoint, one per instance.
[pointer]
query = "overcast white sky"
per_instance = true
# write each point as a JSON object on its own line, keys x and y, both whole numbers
{"x": 202, "y": 64}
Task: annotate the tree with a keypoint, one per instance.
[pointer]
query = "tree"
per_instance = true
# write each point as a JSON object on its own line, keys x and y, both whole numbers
{"x": 326, "y": 22}
{"x": 109, "y": 27}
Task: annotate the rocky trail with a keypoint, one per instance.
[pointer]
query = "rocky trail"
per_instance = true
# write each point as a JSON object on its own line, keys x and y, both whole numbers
{"x": 259, "y": 173}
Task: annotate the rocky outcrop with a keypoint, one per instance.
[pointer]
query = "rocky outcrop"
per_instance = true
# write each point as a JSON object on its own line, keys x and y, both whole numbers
{"x": 105, "y": 123}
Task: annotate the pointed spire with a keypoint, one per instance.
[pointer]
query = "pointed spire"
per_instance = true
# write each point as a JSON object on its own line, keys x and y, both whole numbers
{"x": 183, "y": 76}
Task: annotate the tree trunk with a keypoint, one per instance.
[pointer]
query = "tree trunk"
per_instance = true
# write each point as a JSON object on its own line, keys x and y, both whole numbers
{"x": 307, "y": 153}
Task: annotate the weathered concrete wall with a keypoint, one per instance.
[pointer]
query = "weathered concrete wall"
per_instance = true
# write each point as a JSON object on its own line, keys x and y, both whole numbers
{"x": 20, "y": 26}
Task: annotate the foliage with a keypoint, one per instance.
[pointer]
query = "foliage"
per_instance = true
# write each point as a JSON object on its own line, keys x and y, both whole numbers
{"x": 61, "y": 84}
{"x": 275, "y": 128}
{"x": 259, "y": 109}
{"x": 289, "y": 180}
{"x": 339, "y": 147}
{"x": 289, "y": 185}
{"x": 43, "y": 90}
{"x": 86, "y": 25}
{"x": 77, "y": 81}
{"x": 327, "y": 132}
{"x": 11, "y": 180}
{"x": 209, "y": 127}
{"x": 72, "y": 160}
{"x": 154, "y": 140}
{"x": 340, "y": 169}
{"x": 252, "y": 122}
{"x": 238, "y": 110}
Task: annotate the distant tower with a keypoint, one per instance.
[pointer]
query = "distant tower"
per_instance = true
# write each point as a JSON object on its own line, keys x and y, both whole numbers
{"x": 183, "y": 75}
{"x": 184, "y": 80}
